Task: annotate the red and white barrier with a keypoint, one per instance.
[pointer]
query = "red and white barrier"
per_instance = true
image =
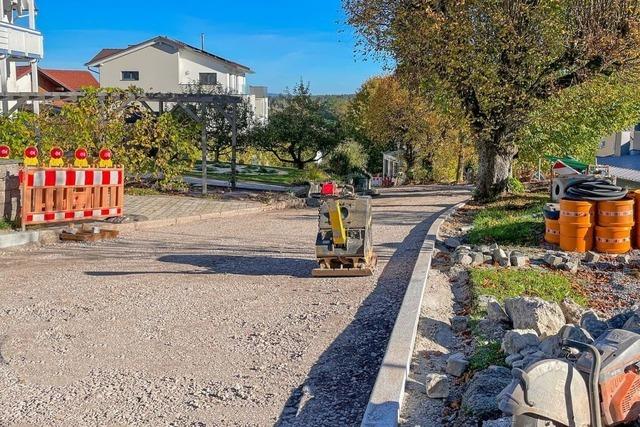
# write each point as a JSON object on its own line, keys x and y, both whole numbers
{"x": 51, "y": 195}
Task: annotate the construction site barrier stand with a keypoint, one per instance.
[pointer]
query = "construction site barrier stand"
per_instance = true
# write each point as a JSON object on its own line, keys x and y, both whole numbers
{"x": 53, "y": 195}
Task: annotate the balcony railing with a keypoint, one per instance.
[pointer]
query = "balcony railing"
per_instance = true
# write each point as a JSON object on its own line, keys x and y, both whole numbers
{"x": 20, "y": 42}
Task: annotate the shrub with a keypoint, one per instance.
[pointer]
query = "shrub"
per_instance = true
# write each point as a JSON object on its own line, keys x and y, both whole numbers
{"x": 419, "y": 175}
{"x": 312, "y": 173}
{"x": 348, "y": 158}
{"x": 514, "y": 186}
{"x": 161, "y": 148}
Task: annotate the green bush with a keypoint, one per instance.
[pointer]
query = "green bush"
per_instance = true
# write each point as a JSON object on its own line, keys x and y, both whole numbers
{"x": 161, "y": 148}
{"x": 514, "y": 186}
{"x": 419, "y": 175}
{"x": 312, "y": 173}
{"x": 348, "y": 158}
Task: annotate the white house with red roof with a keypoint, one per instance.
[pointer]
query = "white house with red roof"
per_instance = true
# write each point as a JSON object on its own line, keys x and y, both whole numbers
{"x": 162, "y": 64}
{"x": 51, "y": 80}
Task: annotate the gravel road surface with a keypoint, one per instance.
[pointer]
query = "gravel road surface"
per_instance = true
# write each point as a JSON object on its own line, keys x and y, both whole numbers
{"x": 209, "y": 324}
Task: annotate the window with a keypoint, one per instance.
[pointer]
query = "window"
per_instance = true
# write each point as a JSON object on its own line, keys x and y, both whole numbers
{"x": 208, "y": 79}
{"x": 130, "y": 76}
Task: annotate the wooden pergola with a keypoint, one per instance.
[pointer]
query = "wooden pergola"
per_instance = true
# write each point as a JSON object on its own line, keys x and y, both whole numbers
{"x": 166, "y": 101}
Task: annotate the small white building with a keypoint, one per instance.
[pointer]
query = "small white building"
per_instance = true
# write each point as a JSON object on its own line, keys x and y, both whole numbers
{"x": 20, "y": 43}
{"x": 165, "y": 65}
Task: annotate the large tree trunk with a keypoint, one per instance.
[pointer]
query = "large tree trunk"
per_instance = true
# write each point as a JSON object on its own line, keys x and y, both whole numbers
{"x": 494, "y": 166}
{"x": 460, "y": 170}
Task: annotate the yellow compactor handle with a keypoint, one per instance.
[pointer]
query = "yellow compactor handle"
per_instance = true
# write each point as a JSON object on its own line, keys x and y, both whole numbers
{"x": 335, "y": 220}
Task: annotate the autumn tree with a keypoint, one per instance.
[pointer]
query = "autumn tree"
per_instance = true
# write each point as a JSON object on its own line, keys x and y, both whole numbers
{"x": 301, "y": 131}
{"x": 386, "y": 115}
{"x": 500, "y": 58}
{"x": 574, "y": 122}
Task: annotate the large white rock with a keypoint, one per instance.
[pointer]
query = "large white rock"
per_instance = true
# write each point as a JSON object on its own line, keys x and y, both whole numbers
{"x": 546, "y": 318}
{"x": 437, "y": 386}
{"x": 571, "y": 310}
{"x": 517, "y": 340}
{"x": 495, "y": 311}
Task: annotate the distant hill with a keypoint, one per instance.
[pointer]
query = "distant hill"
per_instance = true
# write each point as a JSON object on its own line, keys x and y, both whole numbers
{"x": 335, "y": 102}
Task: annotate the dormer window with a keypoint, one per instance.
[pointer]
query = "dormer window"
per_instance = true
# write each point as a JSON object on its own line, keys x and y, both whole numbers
{"x": 130, "y": 76}
{"x": 208, "y": 79}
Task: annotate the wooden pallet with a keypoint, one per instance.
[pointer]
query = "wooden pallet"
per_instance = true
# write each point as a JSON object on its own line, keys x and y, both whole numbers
{"x": 89, "y": 236}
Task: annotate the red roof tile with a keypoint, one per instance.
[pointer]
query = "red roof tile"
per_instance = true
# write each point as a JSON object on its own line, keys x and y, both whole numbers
{"x": 71, "y": 80}
{"x": 22, "y": 70}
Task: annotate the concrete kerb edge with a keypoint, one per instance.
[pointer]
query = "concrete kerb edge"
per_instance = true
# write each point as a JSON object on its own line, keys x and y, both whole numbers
{"x": 385, "y": 401}
{"x": 40, "y": 236}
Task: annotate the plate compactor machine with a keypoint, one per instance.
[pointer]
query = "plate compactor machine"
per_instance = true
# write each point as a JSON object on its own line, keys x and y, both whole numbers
{"x": 596, "y": 384}
{"x": 344, "y": 245}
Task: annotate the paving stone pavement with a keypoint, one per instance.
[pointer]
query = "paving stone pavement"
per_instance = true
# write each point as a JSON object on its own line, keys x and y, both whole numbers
{"x": 162, "y": 207}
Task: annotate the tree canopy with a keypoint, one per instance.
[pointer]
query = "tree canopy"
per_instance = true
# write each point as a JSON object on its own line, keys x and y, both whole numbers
{"x": 301, "y": 131}
{"x": 386, "y": 115}
{"x": 501, "y": 59}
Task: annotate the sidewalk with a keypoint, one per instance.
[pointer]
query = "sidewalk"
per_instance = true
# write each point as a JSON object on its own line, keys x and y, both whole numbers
{"x": 163, "y": 207}
{"x": 144, "y": 212}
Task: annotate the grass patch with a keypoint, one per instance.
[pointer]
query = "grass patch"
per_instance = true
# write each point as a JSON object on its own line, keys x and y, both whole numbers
{"x": 141, "y": 191}
{"x": 510, "y": 220}
{"x": 486, "y": 353}
{"x": 5, "y": 225}
{"x": 506, "y": 283}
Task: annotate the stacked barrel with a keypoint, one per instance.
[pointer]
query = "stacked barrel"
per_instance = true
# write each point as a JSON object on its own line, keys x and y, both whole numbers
{"x": 576, "y": 223}
{"x": 552, "y": 231}
{"x": 615, "y": 221}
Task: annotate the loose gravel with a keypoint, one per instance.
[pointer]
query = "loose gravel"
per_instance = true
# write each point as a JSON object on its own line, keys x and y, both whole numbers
{"x": 209, "y": 324}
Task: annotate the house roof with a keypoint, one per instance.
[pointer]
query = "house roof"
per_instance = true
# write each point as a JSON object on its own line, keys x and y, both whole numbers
{"x": 22, "y": 71}
{"x": 71, "y": 80}
{"x": 106, "y": 54}
{"x": 625, "y": 167}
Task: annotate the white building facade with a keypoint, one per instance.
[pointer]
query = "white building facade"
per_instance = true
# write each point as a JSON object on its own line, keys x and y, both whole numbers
{"x": 20, "y": 42}
{"x": 165, "y": 65}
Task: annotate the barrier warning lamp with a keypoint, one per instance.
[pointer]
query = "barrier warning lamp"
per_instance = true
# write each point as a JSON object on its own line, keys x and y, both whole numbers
{"x": 31, "y": 156}
{"x": 81, "y": 158}
{"x": 5, "y": 152}
{"x": 105, "y": 158}
{"x": 56, "y": 160}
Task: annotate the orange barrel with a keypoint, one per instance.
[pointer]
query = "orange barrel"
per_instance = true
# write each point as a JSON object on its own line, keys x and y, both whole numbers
{"x": 576, "y": 237}
{"x": 617, "y": 213}
{"x": 636, "y": 233}
{"x": 613, "y": 240}
{"x": 577, "y": 211}
{"x": 552, "y": 233}
{"x": 577, "y": 218}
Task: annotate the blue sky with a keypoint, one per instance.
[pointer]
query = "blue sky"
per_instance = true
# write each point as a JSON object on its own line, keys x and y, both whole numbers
{"x": 281, "y": 40}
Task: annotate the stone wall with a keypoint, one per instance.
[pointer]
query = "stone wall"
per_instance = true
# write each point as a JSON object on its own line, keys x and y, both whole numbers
{"x": 9, "y": 189}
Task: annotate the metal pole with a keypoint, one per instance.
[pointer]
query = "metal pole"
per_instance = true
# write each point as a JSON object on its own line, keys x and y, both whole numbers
{"x": 34, "y": 84}
{"x": 4, "y": 76}
{"x": 234, "y": 144}
{"x": 204, "y": 150}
